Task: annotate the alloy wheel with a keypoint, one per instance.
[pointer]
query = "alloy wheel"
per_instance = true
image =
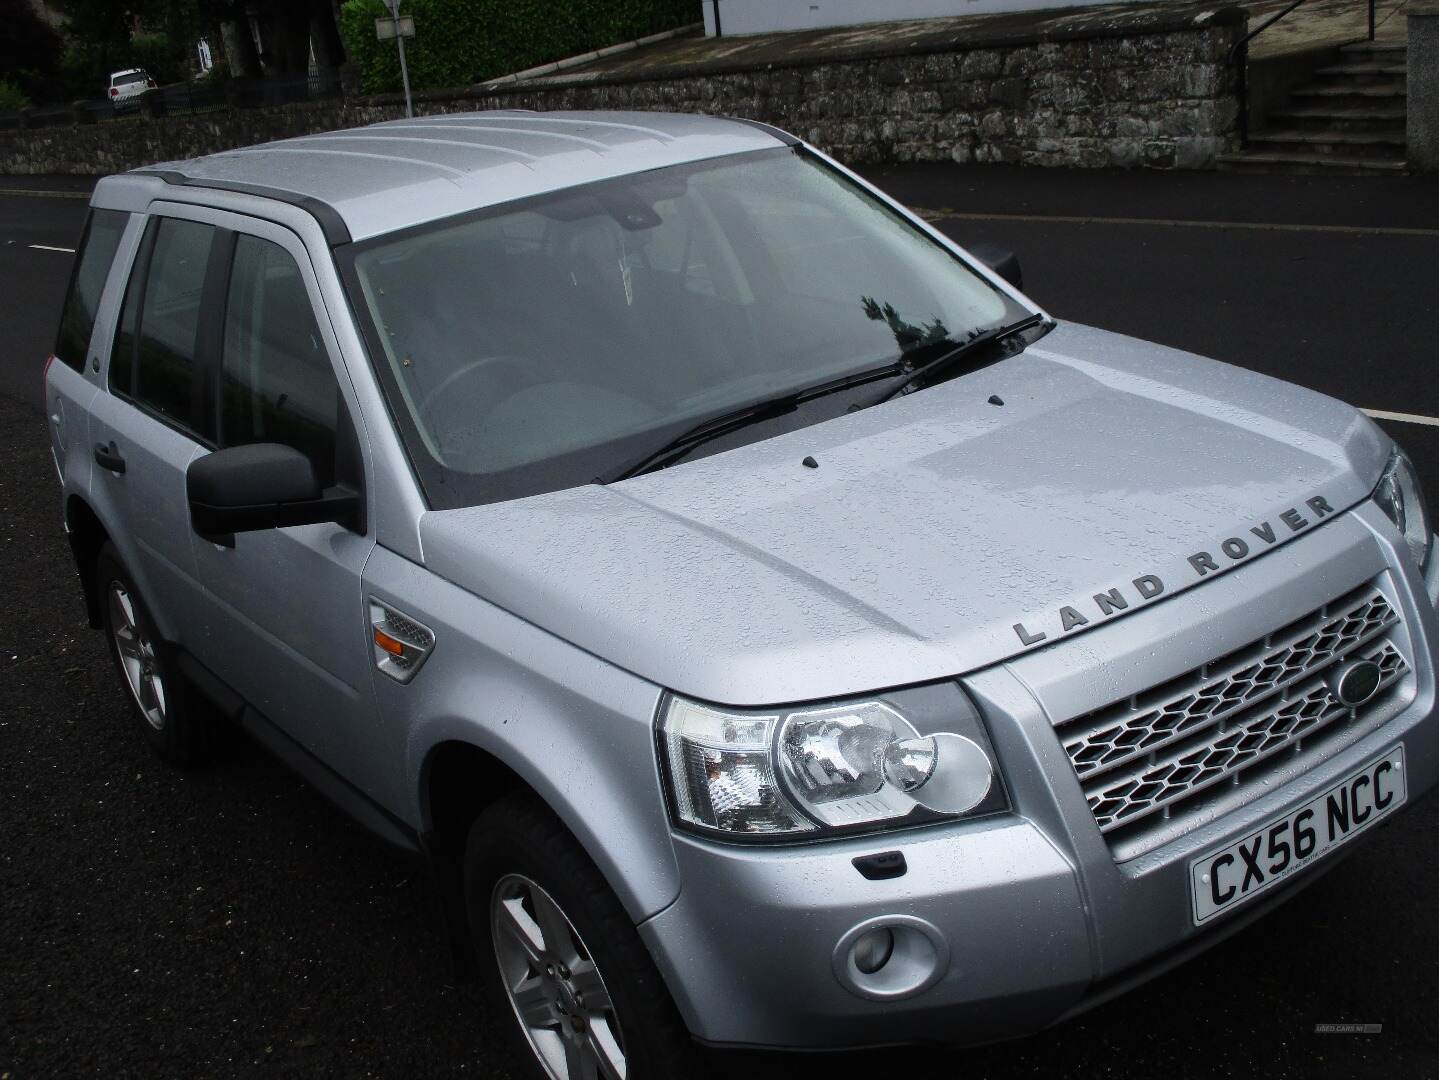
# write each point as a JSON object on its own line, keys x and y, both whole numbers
{"x": 554, "y": 985}
{"x": 137, "y": 657}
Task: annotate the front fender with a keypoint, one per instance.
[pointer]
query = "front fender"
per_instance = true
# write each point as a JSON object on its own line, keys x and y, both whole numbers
{"x": 575, "y": 728}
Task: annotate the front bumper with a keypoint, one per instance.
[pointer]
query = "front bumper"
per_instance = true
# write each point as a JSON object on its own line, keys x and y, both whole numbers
{"x": 1038, "y": 918}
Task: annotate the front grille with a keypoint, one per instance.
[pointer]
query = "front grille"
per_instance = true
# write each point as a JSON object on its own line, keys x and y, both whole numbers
{"x": 1186, "y": 743}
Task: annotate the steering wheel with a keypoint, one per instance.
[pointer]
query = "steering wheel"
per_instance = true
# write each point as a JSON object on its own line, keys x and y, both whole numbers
{"x": 484, "y": 365}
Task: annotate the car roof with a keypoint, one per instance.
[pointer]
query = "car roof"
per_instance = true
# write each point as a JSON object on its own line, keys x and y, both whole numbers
{"x": 127, "y": 71}
{"x": 366, "y": 181}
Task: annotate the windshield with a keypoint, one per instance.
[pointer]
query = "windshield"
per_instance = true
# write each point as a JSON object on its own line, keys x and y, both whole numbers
{"x": 128, "y": 78}
{"x": 542, "y": 344}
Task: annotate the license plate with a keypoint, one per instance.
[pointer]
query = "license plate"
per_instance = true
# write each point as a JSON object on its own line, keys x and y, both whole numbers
{"x": 1224, "y": 879}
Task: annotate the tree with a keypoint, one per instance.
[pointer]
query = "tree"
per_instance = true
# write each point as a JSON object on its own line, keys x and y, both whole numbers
{"x": 325, "y": 34}
{"x": 97, "y": 42}
{"x": 97, "y": 23}
{"x": 103, "y": 35}
{"x": 240, "y": 52}
{"x": 288, "y": 30}
{"x": 284, "y": 36}
{"x": 29, "y": 51}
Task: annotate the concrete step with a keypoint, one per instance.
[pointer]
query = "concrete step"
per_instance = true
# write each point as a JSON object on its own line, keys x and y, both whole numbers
{"x": 1351, "y": 97}
{"x": 1323, "y": 117}
{"x": 1342, "y": 144}
{"x": 1254, "y": 161}
{"x": 1374, "y": 49}
{"x": 1356, "y": 66}
{"x": 1361, "y": 74}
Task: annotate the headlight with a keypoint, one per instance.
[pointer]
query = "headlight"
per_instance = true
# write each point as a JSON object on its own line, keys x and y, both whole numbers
{"x": 1400, "y": 496}
{"x": 848, "y": 767}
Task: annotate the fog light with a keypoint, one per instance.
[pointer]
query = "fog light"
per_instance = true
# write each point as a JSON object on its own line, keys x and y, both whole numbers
{"x": 890, "y": 957}
{"x": 873, "y": 950}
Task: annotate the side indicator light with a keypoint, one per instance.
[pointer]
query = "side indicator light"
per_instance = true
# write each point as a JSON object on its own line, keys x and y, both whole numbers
{"x": 393, "y": 646}
{"x": 401, "y": 644}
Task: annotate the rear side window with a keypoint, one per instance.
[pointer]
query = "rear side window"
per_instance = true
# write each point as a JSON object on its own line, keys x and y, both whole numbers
{"x": 92, "y": 267}
{"x": 278, "y": 385}
{"x": 154, "y": 359}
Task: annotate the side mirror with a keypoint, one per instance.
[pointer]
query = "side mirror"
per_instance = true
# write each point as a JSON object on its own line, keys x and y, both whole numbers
{"x": 1002, "y": 261}
{"x": 261, "y": 486}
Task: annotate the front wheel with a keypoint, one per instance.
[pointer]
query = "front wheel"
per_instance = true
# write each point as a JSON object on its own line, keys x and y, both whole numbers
{"x": 562, "y": 961}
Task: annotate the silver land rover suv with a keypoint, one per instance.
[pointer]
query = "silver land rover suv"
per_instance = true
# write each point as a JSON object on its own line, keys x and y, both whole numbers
{"x": 769, "y": 626}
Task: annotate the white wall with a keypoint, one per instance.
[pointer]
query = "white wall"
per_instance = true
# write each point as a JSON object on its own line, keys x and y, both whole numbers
{"x": 768, "y": 16}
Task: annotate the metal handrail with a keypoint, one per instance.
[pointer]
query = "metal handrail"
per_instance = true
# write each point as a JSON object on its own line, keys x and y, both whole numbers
{"x": 1243, "y": 42}
{"x": 1240, "y": 50}
{"x": 1265, "y": 25}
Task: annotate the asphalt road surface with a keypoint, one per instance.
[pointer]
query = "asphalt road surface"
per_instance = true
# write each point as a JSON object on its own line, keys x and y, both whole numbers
{"x": 228, "y": 921}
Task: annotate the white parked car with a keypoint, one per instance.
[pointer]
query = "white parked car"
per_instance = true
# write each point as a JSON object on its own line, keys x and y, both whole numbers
{"x": 127, "y": 87}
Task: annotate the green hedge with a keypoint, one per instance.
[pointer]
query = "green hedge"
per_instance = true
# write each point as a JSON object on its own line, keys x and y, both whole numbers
{"x": 11, "y": 97}
{"x": 157, "y": 54}
{"x": 458, "y": 42}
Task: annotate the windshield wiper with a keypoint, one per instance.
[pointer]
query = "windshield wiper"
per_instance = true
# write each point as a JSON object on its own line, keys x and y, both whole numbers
{"x": 734, "y": 419}
{"x": 945, "y": 361}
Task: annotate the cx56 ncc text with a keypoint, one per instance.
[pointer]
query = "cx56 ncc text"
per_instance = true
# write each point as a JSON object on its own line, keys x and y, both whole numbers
{"x": 771, "y": 627}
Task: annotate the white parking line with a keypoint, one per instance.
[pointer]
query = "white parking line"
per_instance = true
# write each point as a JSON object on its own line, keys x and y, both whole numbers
{"x": 1402, "y": 417}
{"x": 944, "y": 213}
{"x": 47, "y": 247}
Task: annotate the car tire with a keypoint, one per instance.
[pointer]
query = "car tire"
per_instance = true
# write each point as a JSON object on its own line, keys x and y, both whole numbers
{"x": 525, "y": 873}
{"x": 166, "y": 709}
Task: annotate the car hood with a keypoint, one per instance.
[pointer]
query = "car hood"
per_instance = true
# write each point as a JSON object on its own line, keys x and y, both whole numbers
{"x": 942, "y": 531}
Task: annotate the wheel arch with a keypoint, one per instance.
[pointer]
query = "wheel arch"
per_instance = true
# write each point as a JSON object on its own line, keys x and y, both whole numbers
{"x": 526, "y": 708}
{"x": 91, "y": 522}
{"x": 458, "y": 780}
{"x": 87, "y": 535}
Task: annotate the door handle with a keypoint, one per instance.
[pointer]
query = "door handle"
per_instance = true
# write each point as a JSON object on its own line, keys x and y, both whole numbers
{"x": 108, "y": 457}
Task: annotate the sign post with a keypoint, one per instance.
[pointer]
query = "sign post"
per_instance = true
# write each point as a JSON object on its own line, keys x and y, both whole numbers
{"x": 399, "y": 27}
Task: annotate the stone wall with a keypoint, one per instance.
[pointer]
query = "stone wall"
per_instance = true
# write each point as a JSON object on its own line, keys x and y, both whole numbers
{"x": 1152, "y": 90}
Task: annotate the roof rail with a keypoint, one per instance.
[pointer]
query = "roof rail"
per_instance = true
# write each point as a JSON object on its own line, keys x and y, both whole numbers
{"x": 331, "y": 224}
{"x": 769, "y": 129}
